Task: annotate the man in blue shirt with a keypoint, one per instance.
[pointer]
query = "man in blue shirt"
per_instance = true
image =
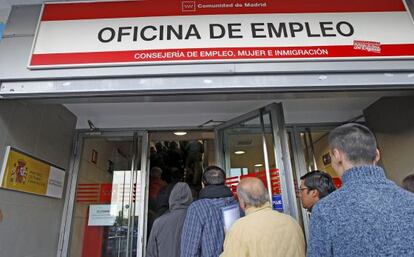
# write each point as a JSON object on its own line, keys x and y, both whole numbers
{"x": 369, "y": 215}
{"x": 203, "y": 231}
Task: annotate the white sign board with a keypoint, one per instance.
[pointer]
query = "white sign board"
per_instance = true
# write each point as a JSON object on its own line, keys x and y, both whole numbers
{"x": 101, "y": 215}
{"x": 175, "y": 31}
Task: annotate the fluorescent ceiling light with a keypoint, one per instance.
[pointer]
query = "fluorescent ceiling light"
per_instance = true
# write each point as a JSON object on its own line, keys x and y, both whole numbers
{"x": 239, "y": 152}
{"x": 180, "y": 133}
{"x": 258, "y": 165}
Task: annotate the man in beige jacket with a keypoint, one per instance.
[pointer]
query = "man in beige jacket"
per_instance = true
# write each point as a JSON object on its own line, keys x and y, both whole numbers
{"x": 263, "y": 232}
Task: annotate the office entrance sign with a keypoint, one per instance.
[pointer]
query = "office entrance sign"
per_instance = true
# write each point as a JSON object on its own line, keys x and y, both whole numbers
{"x": 25, "y": 173}
{"x": 160, "y": 32}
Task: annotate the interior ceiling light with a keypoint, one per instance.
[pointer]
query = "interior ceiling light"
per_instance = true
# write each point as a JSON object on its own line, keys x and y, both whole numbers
{"x": 180, "y": 133}
{"x": 258, "y": 165}
{"x": 239, "y": 152}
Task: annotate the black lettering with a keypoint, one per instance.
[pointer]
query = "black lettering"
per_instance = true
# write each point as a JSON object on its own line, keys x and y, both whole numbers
{"x": 255, "y": 29}
{"x": 107, "y": 39}
{"x": 135, "y": 37}
{"x": 309, "y": 31}
{"x": 121, "y": 32}
{"x": 340, "y": 28}
{"x": 277, "y": 31}
{"x": 161, "y": 33}
{"x": 222, "y": 31}
{"x": 192, "y": 32}
{"x": 178, "y": 34}
{"x": 295, "y": 27}
{"x": 143, "y": 33}
{"x": 325, "y": 28}
{"x": 234, "y": 27}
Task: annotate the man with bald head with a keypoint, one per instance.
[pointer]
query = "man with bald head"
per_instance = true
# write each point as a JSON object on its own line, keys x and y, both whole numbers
{"x": 262, "y": 232}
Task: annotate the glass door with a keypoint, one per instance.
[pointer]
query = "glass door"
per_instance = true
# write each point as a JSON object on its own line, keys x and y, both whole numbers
{"x": 106, "y": 218}
{"x": 310, "y": 151}
{"x": 254, "y": 144}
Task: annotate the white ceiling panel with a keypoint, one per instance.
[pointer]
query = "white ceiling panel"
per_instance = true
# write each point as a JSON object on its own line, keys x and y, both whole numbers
{"x": 193, "y": 114}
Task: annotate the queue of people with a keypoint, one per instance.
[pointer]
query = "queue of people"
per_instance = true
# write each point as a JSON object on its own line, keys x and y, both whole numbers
{"x": 368, "y": 216}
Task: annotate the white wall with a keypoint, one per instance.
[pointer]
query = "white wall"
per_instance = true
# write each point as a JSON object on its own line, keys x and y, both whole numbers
{"x": 31, "y": 223}
{"x": 391, "y": 119}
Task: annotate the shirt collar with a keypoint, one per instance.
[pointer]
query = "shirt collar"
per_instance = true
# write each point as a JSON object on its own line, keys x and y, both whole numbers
{"x": 251, "y": 210}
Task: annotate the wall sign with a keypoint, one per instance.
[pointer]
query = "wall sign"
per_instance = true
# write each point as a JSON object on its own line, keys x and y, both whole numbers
{"x": 25, "y": 173}
{"x": 175, "y": 31}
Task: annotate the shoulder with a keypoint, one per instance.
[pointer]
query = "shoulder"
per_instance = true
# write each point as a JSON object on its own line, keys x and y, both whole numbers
{"x": 331, "y": 200}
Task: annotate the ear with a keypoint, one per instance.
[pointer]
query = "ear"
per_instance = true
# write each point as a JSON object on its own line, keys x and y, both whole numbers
{"x": 314, "y": 193}
{"x": 336, "y": 154}
{"x": 242, "y": 204}
{"x": 377, "y": 156}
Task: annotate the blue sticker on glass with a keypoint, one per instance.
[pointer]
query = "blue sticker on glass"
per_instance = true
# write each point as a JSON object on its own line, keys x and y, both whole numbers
{"x": 1, "y": 30}
{"x": 277, "y": 203}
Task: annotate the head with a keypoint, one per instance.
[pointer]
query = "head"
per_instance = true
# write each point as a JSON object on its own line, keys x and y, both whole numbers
{"x": 213, "y": 175}
{"x": 408, "y": 183}
{"x": 314, "y": 186}
{"x": 252, "y": 193}
{"x": 173, "y": 145}
{"x": 177, "y": 174}
{"x": 181, "y": 196}
{"x": 352, "y": 145}
{"x": 156, "y": 173}
{"x": 159, "y": 146}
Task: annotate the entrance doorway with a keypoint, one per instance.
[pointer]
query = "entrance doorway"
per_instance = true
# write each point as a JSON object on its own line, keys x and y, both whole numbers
{"x": 176, "y": 156}
{"x": 108, "y": 202}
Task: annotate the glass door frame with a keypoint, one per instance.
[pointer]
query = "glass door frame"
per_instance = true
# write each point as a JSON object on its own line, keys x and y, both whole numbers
{"x": 300, "y": 160}
{"x": 72, "y": 177}
{"x": 280, "y": 151}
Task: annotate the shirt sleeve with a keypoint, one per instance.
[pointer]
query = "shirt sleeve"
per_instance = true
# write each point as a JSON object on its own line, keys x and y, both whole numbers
{"x": 319, "y": 242}
{"x": 191, "y": 235}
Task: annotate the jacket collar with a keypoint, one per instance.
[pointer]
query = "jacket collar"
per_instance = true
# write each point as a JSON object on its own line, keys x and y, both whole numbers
{"x": 364, "y": 174}
{"x": 215, "y": 191}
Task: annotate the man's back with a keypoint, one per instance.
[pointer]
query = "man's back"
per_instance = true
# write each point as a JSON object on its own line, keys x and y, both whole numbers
{"x": 203, "y": 232}
{"x": 368, "y": 216}
{"x": 265, "y": 233}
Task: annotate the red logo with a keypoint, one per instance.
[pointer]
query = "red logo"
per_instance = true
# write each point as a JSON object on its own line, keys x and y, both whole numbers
{"x": 368, "y": 46}
{"x": 188, "y": 6}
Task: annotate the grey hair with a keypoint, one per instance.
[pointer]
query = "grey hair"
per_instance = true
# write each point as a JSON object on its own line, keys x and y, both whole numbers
{"x": 252, "y": 200}
{"x": 356, "y": 141}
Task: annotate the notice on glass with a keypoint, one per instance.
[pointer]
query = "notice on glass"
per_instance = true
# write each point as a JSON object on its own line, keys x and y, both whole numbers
{"x": 101, "y": 215}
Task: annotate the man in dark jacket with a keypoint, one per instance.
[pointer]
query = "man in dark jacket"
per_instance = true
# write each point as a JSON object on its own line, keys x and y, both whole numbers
{"x": 165, "y": 237}
{"x": 369, "y": 215}
{"x": 203, "y": 232}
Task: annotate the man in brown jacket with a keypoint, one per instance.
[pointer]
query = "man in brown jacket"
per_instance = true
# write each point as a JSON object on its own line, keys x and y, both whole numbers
{"x": 262, "y": 232}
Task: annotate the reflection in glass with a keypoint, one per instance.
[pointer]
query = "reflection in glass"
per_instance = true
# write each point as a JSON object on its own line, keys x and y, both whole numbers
{"x": 249, "y": 137}
{"x": 105, "y": 212}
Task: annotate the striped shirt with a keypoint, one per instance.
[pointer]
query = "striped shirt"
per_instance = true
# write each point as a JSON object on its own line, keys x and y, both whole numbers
{"x": 203, "y": 231}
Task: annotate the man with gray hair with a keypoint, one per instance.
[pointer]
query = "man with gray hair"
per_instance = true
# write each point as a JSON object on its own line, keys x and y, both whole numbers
{"x": 369, "y": 215}
{"x": 262, "y": 232}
